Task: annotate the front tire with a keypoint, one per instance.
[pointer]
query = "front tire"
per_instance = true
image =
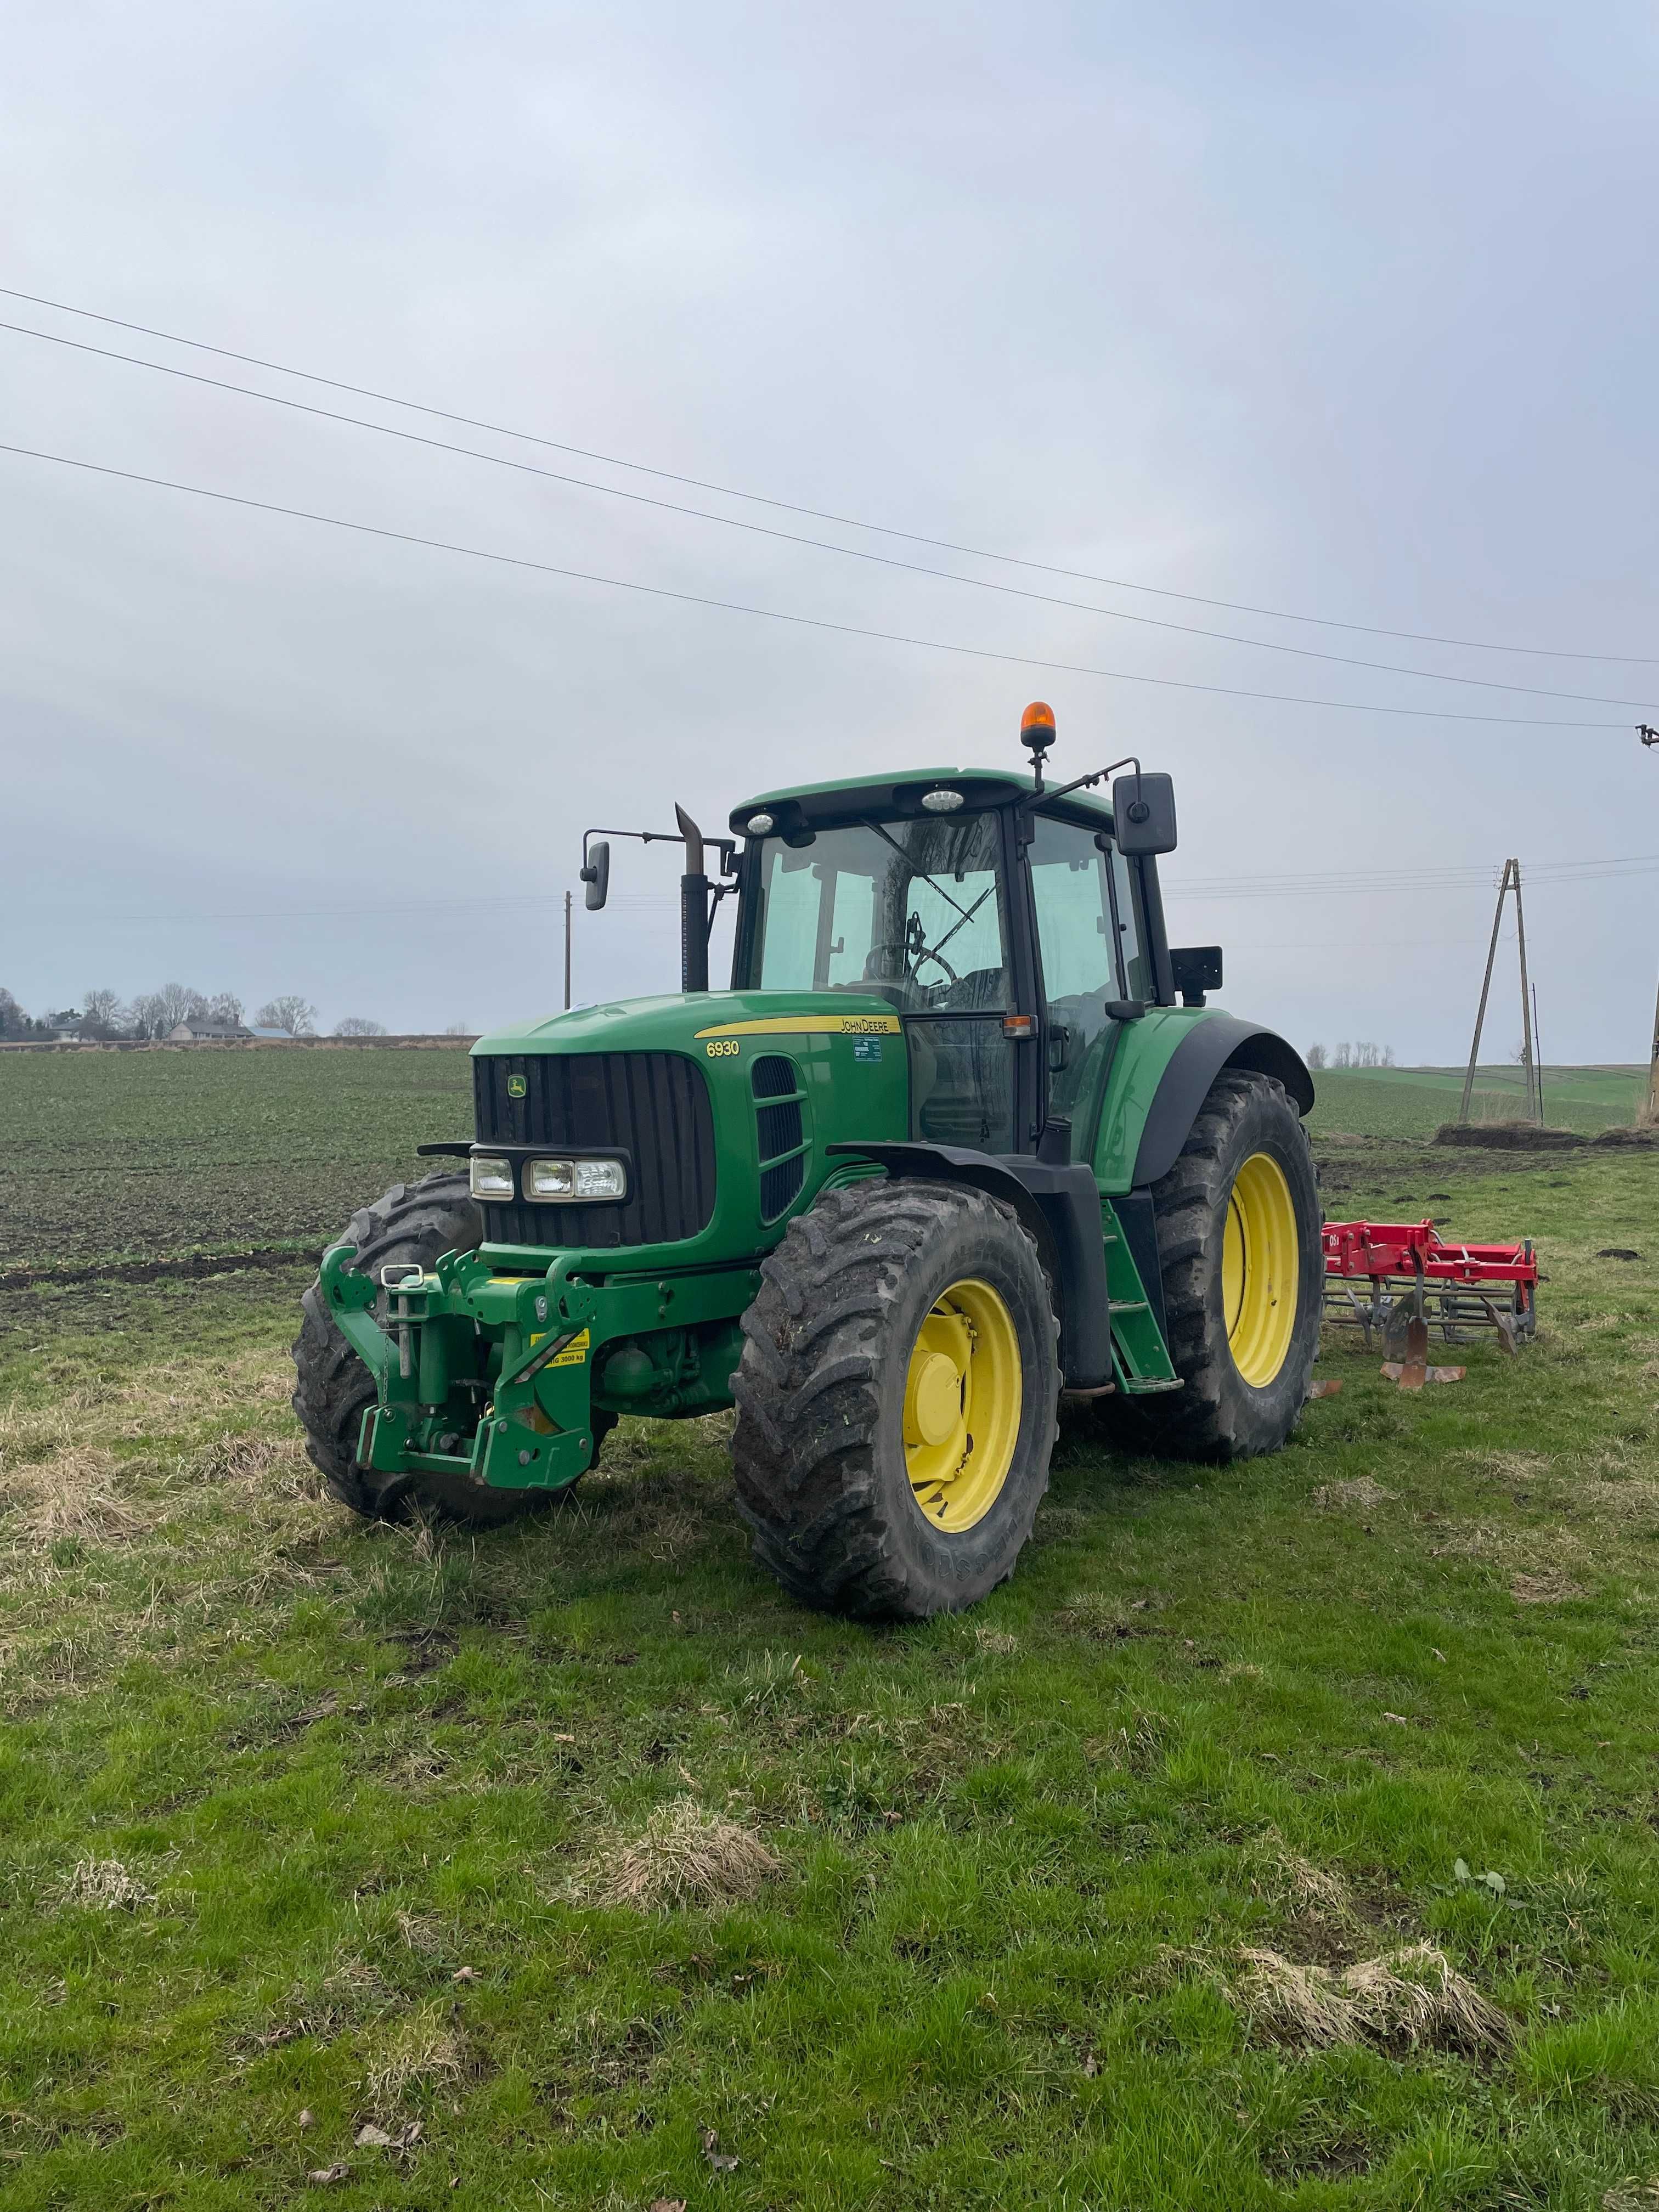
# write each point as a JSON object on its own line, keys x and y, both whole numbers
{"x": 333, "y": 1390}
{"x": 1238, "y": 1239}
{"x": 896, "y": 1400}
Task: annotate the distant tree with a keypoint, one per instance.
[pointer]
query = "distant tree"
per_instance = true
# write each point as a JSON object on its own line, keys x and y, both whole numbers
{"x": 13, "y": 1022}
{"x": 458, "y": 1028}
{"x": 224, "y": 1006}
{"x": 1343, "y": 1056}
{"x": 359, "y": 1025}
{"x": 293, "y": 1013}
{"x": 1316, "y": 1055}
{"x": 104, "y": 1015}
{"x": 1388, "y": 1055}
{"x": 159, "y": 1011}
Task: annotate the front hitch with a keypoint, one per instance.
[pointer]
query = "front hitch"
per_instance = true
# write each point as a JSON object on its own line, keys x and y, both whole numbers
{"x": 351, "y": 1299}
{"x": 535, "y": 1430}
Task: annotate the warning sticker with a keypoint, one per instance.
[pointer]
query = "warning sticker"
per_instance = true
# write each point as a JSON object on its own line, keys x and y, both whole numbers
{"x": 866, "y": 1048}
{"x": 574, "y": 1354}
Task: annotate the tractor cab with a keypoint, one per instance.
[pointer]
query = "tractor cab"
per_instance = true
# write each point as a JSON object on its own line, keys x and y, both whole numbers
{"x": 998, "y": 927}
{"x": 1011, "y": 927}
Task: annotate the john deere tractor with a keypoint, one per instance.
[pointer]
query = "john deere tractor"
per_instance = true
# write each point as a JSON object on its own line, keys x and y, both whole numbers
{"x": 961, "y": 1142}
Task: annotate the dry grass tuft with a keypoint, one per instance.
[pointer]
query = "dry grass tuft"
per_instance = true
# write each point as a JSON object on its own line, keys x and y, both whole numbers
{"x": 70, "y": 1497}
{"x": 251, "y": 1458}
{"x": 997, "y": 1641}
{"x": 1359, "y": 1494}
{"x": 1299, "y": 2004}
{"x": 1135, "y": 1747}
{"x": 105, "y": 1885}
{"x": 683, "y": 1856}
{"x": 1508, "y": 1467}
{"x": 423, "y": 1931}
{"x": 1631, "y": 2196}
{"x": 421, "y": 2050}
{"x": 1551, "y": 1587}
{"x": 1412, "y": 1996}
{"x": 1311, "y": 1889}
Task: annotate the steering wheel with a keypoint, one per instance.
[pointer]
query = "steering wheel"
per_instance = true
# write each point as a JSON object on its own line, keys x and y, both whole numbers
{"x": 901, "y": 946}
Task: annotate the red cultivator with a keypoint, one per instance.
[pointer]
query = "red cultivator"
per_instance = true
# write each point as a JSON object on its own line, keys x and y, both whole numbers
{"x": 1413, "y": 1283}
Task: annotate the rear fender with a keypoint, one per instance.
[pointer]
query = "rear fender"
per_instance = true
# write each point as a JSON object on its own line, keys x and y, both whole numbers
{"x": 1215, "y": 1043}
{"x": 1060, "y": 1207}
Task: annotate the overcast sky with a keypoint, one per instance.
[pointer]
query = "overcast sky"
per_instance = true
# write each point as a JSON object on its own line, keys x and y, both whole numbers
{"x": 1345, "y": 311}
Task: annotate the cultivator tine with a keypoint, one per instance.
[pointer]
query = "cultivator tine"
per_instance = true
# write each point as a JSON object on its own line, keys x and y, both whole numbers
{"x": 1414, "y": 1371}
{"x": 1397, "y": 1370}
{"x": 1504, "y": 1323}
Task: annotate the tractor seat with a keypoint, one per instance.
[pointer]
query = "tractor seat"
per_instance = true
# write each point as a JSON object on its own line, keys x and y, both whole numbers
{"x": 981, "y": 990}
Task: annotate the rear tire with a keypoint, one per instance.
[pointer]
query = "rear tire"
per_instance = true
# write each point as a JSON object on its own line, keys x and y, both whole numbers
{"x": 1247, "y": 1158}
{"x": 333, "y": 1388}
{"x": 896, "y": 1400}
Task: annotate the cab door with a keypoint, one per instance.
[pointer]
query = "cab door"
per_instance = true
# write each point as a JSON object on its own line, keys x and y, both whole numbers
{"x": 1090, "y": 945}
{"x": 963, "y": 1066}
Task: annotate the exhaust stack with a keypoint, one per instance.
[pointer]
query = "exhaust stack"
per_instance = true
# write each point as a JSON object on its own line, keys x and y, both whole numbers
{"x": 693, "y": 908}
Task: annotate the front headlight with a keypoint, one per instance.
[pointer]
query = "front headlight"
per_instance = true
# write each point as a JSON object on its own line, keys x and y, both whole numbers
{"x": 492, "y": 1176}
{"x": 576, "y": 1179}
{"x": 601, "y": 1179}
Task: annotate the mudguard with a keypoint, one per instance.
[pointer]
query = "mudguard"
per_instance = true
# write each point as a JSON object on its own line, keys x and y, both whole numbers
{"x": 1221, "y": 1041}
{"x": 1060, "y": 1206}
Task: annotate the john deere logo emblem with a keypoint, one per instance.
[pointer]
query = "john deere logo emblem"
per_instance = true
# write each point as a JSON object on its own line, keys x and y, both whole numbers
{"x": 516, "y": 1086}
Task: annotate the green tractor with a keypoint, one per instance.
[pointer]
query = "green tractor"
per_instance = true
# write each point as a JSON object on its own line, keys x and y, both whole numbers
{"x": 961, "y": 1143}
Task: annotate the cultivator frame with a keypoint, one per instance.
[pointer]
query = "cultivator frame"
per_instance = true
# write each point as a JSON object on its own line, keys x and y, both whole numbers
{"x": 1416, "y": 1282}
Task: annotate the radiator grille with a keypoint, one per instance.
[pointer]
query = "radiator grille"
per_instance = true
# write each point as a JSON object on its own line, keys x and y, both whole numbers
{"x": 776, "y": 1085}
{"x": 654, "y": 1105}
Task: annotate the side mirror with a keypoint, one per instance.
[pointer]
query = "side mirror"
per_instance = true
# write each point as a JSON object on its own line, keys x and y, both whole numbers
{"x": 596, "y": 873}
{"x": 1144, "y": 813}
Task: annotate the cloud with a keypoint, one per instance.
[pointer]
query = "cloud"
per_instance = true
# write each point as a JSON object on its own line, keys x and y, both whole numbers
{"x": 1342, "y": 316}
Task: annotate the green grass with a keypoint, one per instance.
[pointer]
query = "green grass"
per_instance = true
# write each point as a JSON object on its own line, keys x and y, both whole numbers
{"x": 1413, "y": 1101}
{"x": 368, "y": 1787}
{"x": 146, "y": 1153}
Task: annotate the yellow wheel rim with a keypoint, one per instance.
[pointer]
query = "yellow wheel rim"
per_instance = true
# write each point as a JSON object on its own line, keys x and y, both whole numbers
{"x": 1259, "y": 1269}
{"x": 963, "y": 1396}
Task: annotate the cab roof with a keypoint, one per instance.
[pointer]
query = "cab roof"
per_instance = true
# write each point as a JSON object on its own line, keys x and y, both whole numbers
{"x": 849, "y": 797}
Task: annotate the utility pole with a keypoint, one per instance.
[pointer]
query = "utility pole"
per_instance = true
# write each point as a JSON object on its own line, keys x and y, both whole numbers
{"x": 1649, "y": 1113}
{"x": 1534, "y": 1112}
{"x": 1538, "y": 1040}
{"x": 567, "y": 953}
{"x": 1485, "y": 987}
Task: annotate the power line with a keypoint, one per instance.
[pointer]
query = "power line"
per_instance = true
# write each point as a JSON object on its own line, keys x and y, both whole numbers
{"x": 814, "y": 513}
{"x": 805, "y": 622}
{"x": 1473, "y": 877}
{"x": 818, "y": 545}
{"x": 1567, "y": 874}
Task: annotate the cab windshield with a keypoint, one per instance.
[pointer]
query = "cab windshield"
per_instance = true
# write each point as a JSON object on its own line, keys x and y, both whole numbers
{"x": 911, "y": 910}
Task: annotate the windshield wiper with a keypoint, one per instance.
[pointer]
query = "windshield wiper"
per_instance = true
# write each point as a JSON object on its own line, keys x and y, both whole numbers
{"x": 959, "y": 926}
{"x": 915, "y": 871}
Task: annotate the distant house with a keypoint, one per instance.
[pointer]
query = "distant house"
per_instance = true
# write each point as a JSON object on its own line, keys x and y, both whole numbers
{"x": 200, "y": 1029}
{"x": 63, "y": 1028}
{"x": 272, "y": 1036}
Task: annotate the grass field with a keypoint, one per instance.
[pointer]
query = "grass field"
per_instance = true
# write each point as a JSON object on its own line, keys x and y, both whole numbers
{"x": 581, "y": 1852}
{"x": 136, "y": 1156}
{"x": 1413, "y": 1101}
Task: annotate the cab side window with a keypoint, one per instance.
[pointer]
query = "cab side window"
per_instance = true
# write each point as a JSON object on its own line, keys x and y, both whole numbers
{"x": 1089, "y": 941}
